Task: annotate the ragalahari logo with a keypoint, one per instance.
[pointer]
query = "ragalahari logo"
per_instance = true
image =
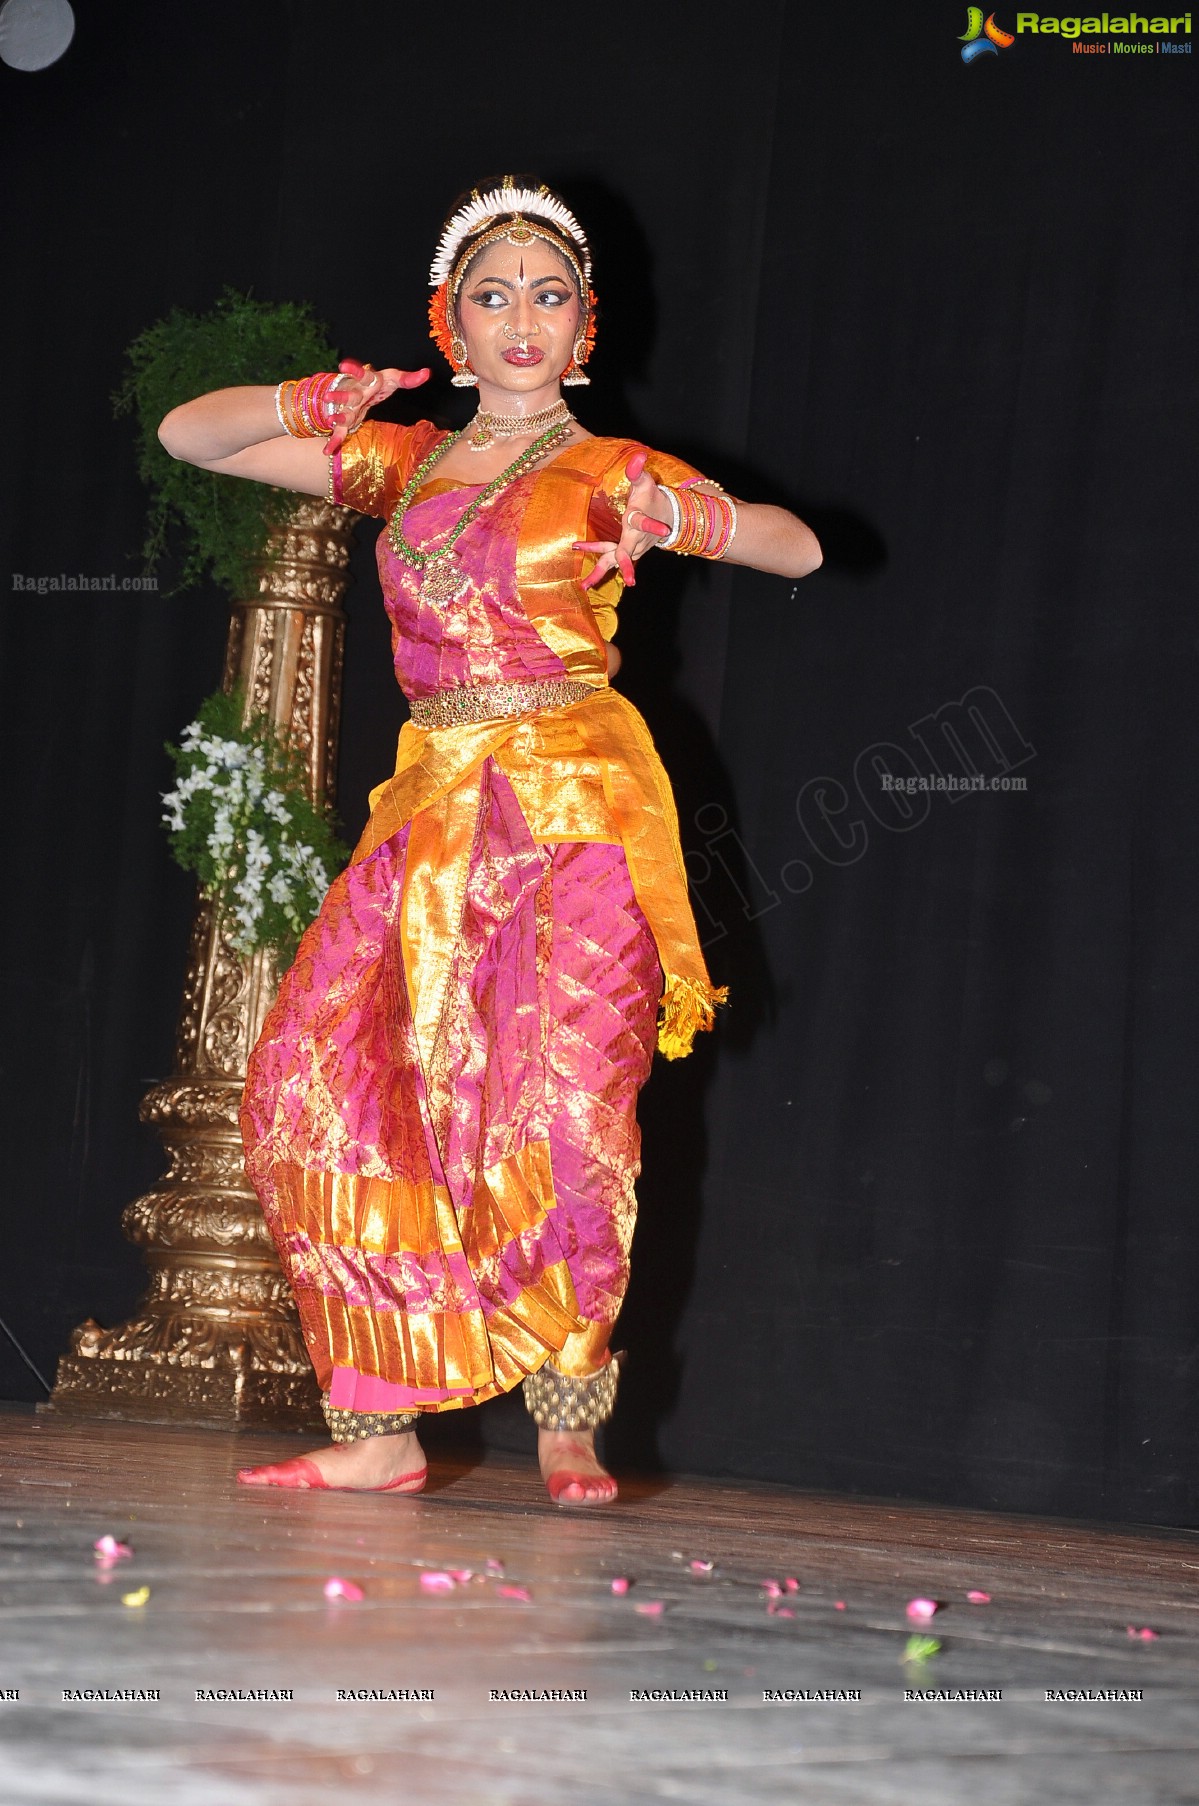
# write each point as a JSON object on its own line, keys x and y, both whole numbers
{"x": 982, "y": 37}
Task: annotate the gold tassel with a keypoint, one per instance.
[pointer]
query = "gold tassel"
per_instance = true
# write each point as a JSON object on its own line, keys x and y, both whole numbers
{"x": 687, "y": 1008}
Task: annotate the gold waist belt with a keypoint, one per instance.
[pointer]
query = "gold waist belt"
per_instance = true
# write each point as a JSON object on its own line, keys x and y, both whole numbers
{"x": 467, "y": 705}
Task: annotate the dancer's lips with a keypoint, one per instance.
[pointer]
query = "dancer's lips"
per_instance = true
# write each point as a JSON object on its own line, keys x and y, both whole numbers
{"x": 524, "y": 360}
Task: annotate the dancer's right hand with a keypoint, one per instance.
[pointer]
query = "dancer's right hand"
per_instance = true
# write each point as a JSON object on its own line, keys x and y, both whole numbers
{"x": 364, "y": 388}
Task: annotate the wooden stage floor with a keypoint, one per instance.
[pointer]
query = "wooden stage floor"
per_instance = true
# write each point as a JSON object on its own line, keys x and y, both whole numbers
{"x": 236, "y": 1601}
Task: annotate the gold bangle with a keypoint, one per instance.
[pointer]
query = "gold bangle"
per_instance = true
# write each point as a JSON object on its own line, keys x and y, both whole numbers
{"x": 298, "y": 430}
{"x": 285, "y": 409}
{"x": 301, "y": 405}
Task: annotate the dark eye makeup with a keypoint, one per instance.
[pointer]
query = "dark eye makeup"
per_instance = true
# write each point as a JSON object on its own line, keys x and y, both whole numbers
{"x": 492, "y": 297}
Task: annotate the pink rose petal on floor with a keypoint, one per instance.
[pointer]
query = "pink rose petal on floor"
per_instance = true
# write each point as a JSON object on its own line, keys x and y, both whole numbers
{"x": 515, "y": 1593}
{"x": 701, "y": 1567}
{"x": 1145, "y": 1634}
{"x": 461, "y": 1575}
{"x": 977, "y": 1598}
{"x": 652, "y": 1608}
{"x": 772, "y": 1588}
{"x": 437, "y": 1581}
{"x": 107, "y": 1548}
{"x": 921, "y": 1609}
{"x": 337, "y": 1588}
{"x": 620, "y": 1586}
{"x": 493, "y": 1567}
{"x": 838, "y": 1605}
{"x": 792, "y": 1585}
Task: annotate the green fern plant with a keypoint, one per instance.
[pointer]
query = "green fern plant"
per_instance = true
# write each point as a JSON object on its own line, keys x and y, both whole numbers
{"x": 224, "y": 521}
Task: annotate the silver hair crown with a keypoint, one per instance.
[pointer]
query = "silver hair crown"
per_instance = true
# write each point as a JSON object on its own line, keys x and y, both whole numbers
{"x": 483, "y": 208}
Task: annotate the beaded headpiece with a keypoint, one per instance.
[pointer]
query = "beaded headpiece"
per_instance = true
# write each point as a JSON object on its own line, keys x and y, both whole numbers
{"x": 518, "y": 216}
{"x": 482, "y": 209}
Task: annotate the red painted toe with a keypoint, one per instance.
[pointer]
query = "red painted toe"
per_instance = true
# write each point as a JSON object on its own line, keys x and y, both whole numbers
{"x": 299, "y": 1473}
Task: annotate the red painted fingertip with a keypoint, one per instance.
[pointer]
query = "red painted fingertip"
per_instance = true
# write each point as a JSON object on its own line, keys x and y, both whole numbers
{"x": 636, "y": 465}
{"x": 654, "y": 526}
{"x": 350, "y": 366}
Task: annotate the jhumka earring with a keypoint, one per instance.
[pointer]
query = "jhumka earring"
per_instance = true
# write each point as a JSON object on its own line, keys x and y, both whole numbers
{"x": 573, "y": 375}
{"x": 463, "y": 377}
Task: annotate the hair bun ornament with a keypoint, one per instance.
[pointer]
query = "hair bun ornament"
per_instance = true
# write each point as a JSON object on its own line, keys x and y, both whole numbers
{"x": 482, "y": 209}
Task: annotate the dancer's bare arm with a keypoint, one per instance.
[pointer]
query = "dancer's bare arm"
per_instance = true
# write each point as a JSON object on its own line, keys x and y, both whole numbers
{"x": 238, "y": 432}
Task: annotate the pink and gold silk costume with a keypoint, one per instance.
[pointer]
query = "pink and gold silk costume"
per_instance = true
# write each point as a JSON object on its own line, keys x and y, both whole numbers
{"x": 440, "y": 1113}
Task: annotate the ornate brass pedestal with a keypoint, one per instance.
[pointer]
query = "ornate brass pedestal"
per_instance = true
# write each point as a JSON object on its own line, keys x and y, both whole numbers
{"x": 216, "y": 1339}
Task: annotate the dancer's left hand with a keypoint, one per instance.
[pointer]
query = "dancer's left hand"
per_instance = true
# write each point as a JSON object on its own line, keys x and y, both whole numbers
{"x": 641, "y": 527}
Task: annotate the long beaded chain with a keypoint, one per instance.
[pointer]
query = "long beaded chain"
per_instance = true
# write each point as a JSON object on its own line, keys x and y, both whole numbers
{"x": 443, "y": 579}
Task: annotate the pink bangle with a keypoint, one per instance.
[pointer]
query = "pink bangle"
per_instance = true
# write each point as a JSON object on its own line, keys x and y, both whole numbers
{"x": 302, "y": 406}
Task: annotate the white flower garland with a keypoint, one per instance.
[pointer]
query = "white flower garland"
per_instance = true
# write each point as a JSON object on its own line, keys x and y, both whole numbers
{"x": 223, "y": 787}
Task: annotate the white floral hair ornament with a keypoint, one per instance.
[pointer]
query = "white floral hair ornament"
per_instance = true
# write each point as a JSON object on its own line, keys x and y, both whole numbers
{"x": 482, "y": 209}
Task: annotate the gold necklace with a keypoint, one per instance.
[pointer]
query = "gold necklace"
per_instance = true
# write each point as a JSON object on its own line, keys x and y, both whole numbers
{"x": 487, "y": 427}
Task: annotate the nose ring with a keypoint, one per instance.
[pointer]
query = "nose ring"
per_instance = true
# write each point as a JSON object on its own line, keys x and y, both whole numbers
{"x": 521, "y": 337}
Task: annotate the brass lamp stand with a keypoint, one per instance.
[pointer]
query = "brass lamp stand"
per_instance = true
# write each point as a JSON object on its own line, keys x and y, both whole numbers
{"x": 216, "y": 1339}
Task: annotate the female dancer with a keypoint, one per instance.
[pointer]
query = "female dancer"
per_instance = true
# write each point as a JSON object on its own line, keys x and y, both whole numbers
{"x": 440, "y": 1113}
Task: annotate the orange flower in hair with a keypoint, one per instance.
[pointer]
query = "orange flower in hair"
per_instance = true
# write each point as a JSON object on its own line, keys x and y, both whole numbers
{"x": 589, "y": 335}
{"x": 439, "y": 320}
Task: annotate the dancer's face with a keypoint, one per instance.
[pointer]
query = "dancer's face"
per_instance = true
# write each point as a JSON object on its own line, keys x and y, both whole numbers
{"x": 518, "y": 313}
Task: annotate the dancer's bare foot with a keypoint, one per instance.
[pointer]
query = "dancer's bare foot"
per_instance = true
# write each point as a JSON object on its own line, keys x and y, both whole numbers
{"x": 363, "y": 1466}
{"x": 570, "y": 1469}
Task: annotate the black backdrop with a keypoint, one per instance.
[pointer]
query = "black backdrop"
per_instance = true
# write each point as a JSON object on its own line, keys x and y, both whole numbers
{"x": 920, "y": 1218}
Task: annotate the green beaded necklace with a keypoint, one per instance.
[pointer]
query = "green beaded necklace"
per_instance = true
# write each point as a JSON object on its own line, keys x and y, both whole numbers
{"x": 444, "y": 579}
